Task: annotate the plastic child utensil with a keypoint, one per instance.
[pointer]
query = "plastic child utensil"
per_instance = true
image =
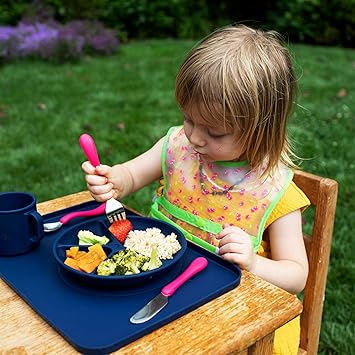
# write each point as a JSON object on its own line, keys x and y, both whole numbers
{"x": 114, "y": 209}
{"x": 53, "y": 226}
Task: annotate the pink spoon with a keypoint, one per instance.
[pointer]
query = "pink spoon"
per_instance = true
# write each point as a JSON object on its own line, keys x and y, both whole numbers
{"x": 53, "y": 226}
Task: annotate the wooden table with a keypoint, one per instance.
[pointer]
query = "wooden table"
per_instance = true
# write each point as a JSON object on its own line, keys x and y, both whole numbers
{"x": 241, "y": 321}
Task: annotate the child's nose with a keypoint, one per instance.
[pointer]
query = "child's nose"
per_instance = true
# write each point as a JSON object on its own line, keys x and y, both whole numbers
{"x": 197, "y": 137}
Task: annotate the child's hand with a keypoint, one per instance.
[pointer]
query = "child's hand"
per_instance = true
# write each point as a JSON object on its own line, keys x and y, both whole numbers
{"x": 235, "y": 246}
{"x": 100, "y": 182}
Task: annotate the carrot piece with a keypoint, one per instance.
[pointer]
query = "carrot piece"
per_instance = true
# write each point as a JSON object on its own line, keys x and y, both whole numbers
{"x": 72, "y": 263}
{"x": 97, "y": 248}
{"x": 80, "y": 254}
{"x": 85, "y": 261}
{"x": 89, "y": 262}
{"x": 72, "y": 252}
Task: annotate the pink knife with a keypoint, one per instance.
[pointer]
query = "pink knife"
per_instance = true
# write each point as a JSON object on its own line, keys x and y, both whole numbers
{"x": 161, "y": 300}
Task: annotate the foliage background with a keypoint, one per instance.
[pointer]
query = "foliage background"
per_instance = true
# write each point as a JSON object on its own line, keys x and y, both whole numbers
{"x": 327, "y": 22}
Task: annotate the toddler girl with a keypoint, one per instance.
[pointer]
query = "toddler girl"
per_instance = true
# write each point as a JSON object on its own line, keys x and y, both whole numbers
{"x": 227, "y": 173}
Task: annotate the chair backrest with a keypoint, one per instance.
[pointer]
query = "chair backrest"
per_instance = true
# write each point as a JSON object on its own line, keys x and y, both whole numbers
{"x": 322, "y": 192}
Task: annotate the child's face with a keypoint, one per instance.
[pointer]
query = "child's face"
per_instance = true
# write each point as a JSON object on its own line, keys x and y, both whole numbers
{"x": 213, "y": 143}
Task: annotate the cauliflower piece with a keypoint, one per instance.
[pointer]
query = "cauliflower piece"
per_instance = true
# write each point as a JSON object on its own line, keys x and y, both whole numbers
{"x": 154, "y": 261}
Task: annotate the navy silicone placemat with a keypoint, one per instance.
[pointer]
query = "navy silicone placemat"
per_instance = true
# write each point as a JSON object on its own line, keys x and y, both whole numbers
{"x": 96, "y": 320}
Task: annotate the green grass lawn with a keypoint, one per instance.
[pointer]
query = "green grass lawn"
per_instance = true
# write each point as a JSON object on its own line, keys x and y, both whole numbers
{"x": 127, "y": 102}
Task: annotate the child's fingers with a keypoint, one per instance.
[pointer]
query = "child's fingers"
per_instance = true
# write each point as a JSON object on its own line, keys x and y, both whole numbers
{"x": 101, "y": 197}
{"x": 234, "y": 258}
{"x": 101, "y": 192}
{"x": 230, "y": 245}
{"x": 235, "y": 238}
{"x": 100, "y": 189}
{"x": 96, "y": 180}
{"x": 103, "y": 170}
{"x": 223, "y": 233}
{"x": 230, "y": 230}
{"x": 88, "y": 168}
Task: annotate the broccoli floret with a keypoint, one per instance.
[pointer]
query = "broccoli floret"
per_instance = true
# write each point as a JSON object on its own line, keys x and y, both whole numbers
{"x": 120, "y": 269}
{"x": 139, "y": 259}
{"x": 133, "y": 261}
{"x": 154, "y": 261}
{"x": 127, "y": 262}
{"x": 132, "y": 267}
{"x": 117, "y": 258}
{"x": 106, "y": 268}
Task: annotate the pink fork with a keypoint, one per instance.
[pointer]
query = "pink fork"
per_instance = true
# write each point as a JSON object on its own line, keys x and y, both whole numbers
{"x": 114, "y": 209}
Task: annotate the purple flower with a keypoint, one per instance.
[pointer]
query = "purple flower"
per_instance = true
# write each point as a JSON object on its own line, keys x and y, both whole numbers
{"x": 104, "y": 44}
{"x": 97, "y": 38}
{"x": 6, "y": 32}
{"x": 32, "y": 37}
{"x": 56, "y": 42}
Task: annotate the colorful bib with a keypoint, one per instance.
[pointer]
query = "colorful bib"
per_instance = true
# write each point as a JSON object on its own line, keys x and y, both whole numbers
{"x": 199, "y": 196}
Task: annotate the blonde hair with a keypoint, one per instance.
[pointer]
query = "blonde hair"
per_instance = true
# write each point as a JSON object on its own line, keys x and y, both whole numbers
{"x": 243, "y": 79}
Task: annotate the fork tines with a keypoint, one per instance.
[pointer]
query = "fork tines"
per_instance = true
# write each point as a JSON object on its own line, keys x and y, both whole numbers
{"x": 115, "y": 210}
{"x": 117, "y": 216}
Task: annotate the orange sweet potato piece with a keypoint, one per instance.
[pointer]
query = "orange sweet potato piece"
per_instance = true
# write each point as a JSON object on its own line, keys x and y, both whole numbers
{"x": 89, "y": 261}
{"x": 72, "y": 252}
{"x": 72, "y": 263}
{"x": 80, "y": 254}
{"x": 99, "y": 250}
{"x": 85, "y": 261}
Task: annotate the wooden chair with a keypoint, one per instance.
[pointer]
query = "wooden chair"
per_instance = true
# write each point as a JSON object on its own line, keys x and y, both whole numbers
{"x": 322, "y": 192}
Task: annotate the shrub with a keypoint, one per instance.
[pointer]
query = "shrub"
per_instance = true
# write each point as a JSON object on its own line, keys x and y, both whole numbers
{"x": 316, "y": 21}
{"x": 11, "y": 11}
{"x": 329, "y": 22}
{"x": 97, "y": 39}
{"x": 54, "y": 42}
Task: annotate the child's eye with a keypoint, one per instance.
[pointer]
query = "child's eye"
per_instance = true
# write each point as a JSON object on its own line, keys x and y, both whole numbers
{"x": 216, "y": 135}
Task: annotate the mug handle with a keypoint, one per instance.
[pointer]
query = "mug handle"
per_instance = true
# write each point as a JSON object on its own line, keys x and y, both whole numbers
{"x": 37, "y": 221}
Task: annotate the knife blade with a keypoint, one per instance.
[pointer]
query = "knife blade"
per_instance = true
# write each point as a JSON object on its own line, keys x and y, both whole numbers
{"x": 161, "y": 300}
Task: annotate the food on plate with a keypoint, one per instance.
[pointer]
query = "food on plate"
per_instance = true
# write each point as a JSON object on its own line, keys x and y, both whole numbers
{"x": 120, "y": 229}
{"x": 125, "y": 262}
{"x": 128, "y": 262}
{"x": 72, "y": 252}
{"x": 73, "y": 263}
{"x": 142, "y": 241}
{"x": 144, "y": 250}
{"x": 85, "y": 261}
{"x": 154, "y": 261}
{"x": 89, "y": 238}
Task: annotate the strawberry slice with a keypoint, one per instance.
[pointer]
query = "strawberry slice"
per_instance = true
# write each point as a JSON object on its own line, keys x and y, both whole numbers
{"x": 120, "y": 229}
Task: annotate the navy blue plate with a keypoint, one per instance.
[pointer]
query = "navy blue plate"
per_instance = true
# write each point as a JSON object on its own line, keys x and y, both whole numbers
{"x": 69, "y": 238}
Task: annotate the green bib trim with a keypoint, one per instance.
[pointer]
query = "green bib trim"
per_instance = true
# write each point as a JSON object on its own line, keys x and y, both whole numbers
{"x": 159, "y": 215}
{"x": 188, "y": 217}
{"x": 163, "y": 152}
{"x": 232, "y": 164}
{"x": 201, "y": 223}
{"x": 268, "y": 211}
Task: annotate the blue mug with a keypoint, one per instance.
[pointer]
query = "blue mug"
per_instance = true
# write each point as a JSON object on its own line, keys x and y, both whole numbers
{"x": 21, "y": 226}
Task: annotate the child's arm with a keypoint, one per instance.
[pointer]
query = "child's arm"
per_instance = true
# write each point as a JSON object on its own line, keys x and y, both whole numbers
{"x": 120, "y": 180}
{"x": 288, "y": 266}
